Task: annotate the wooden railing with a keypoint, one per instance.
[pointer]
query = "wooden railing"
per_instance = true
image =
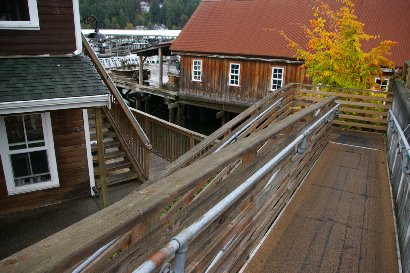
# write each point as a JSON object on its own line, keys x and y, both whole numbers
{"x": 213, "y": 141}
{"x": 144, "y": 221}
{"x": 360, "y": 109}
{"x": 133, "y": 139}
{"x": 168, "y": 140}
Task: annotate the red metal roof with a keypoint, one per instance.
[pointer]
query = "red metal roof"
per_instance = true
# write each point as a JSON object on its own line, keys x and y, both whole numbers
{"x": 252, "y": 27}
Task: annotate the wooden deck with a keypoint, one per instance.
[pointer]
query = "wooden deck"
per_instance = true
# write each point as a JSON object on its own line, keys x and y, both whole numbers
{"x": 156, "y": 164}
{"x": 341, "y": 218}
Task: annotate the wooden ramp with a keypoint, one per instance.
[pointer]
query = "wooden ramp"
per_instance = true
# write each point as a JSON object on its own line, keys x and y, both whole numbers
{"x": 341, "y": 218}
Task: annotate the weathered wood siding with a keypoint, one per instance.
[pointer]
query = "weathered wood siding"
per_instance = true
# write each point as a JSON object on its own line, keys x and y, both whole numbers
{"x": 56, "y": 34}
{"x": 69, "y": 145}
{"x": 255, "y": 79}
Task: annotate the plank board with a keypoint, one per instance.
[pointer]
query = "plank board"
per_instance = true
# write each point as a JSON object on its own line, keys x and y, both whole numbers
{"x": 340, "y": 221}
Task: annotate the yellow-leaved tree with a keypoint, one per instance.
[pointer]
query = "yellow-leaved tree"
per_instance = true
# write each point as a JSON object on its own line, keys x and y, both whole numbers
{"x": 334, "y": 54}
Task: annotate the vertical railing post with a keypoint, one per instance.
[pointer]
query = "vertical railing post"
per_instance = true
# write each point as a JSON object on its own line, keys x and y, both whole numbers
{"x": 140, "y": 70}
{"x": 161, "y": 68}
{"x": 180, "y": 257}
{"x": 101, "y": 156}
{"x": 146, "y": 162}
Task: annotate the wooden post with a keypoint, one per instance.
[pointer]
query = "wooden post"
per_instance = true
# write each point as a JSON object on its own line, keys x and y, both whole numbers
{"x": 146, "y": 163}
{"x": 101, "y": 156}
{"x": 138, "y": 103}
{"x": 140, "y": 70}
{"x": 144, "y": 228}
{"x": 181, "y": 115}
{"x": 171, "y": 114}
{"x": 146, "y": 100}
{"x": 161, "y": 68}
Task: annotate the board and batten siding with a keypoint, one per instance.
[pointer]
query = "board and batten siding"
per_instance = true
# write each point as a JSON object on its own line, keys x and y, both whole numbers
{"x": 255, "y": 79}
{"x": 56, "y": 35}
{"x": 70, "y": 150}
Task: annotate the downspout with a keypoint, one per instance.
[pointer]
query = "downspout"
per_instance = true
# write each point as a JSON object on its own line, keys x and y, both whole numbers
{"x": 77, "y": 28}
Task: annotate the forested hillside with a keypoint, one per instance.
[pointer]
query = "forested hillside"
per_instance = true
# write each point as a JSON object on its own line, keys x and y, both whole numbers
{"x": 130, "y": 13}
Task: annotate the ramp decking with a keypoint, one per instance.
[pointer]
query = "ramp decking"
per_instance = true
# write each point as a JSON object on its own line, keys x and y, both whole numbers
{"x": 341, "y": 218}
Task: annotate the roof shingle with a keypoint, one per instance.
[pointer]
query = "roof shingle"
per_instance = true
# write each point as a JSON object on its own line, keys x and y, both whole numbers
{"x": 27, "y": 79}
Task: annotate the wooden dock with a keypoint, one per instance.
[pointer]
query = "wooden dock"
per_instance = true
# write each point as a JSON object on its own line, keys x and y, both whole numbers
{"x": 341, "y": 219}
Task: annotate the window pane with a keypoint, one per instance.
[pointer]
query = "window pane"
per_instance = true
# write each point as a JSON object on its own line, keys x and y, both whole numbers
{"x": 20, "y": 164}
{"x": 39, "y": 162}
{"x": 277, "y": 78}
{"x": 30, "y": 168}
{"x": 15, "y": 130}
{"x": 34, "y": 128}
{"x": 14, "y": 10}
{"x": 196, "y": 75}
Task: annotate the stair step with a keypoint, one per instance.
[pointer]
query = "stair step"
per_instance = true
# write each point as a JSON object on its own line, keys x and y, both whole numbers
{"x": 107, "y": 144}
{"x": 121, "y": 178}
{"x": 114, "y": 166}
{"x": 106, "y": 134}
{"x": 105, "y": 124}
{"x": 111, "y": 155}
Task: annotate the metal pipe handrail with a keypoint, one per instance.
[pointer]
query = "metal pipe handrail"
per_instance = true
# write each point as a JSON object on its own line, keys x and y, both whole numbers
{"x": 234, "y": 136}
{"x": 400, "y": 132}
{"x": 179, "y": 243}
{"x": 94, "y": 256}
{"x": 404, "y": 142}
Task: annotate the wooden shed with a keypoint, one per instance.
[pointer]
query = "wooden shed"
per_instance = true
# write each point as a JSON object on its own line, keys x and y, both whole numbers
{"x": 233, "y": 51}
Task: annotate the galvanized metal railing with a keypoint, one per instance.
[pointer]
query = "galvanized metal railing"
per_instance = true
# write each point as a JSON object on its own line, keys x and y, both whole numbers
{"x": 398, "y": 153}
{"x": 252, "y": 122}
{"x": 179, "y": 244}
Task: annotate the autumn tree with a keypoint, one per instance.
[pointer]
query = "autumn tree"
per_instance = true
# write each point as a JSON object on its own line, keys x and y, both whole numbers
{"x": 334, "y": 54}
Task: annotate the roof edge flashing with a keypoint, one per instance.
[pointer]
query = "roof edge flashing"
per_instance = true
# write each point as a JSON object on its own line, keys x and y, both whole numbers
{"x": 54, "y": 104}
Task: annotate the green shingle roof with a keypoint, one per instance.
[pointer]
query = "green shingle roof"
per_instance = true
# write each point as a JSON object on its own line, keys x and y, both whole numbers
{"x": 27, "y": 79}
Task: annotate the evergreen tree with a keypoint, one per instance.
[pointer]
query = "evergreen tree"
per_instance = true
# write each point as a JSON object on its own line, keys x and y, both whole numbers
{"x": 119, "y": 13}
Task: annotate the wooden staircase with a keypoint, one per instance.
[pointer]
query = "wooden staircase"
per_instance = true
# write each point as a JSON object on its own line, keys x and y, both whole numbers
{"x": 126, "y": 146}
{"x": 119, "y": 168}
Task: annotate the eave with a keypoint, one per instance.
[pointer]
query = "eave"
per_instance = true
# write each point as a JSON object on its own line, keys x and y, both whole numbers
{"x": 15, "y": 107}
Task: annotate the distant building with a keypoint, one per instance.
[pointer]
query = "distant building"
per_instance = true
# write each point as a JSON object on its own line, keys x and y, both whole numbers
{"x": 232, "y": 51}
{"x": 144, "y": 6}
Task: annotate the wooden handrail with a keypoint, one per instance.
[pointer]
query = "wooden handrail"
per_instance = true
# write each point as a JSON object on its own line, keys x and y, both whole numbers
{"x": 114, "y": 92}
{"x": 171, "y": 126}
{"x": 129, "y": 132}
{"x": 68, "y": 247}
{"x": 168, "y": 140}
{"x": 360, "y": 109}
{"x": 213, "y": 139}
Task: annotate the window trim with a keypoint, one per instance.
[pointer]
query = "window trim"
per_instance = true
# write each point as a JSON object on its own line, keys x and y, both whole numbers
{"x": 381, "y": 80}
{"x": 33, "y": 24}
{"x": 193, "y": 70}
{"x": 52, "y": 163}
{"x": 282, "y": 78}
{"x": 230, "y": 74}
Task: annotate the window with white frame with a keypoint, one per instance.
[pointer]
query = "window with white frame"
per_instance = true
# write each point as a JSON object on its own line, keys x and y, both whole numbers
{"x": 197, "y": 70}
{"x": 234, "y": 74}
{"x": 19, "y": 14}
{"x": 277, "y": 78}
{"x": 27, "y": 152}
{"x": 383, "y": 83}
